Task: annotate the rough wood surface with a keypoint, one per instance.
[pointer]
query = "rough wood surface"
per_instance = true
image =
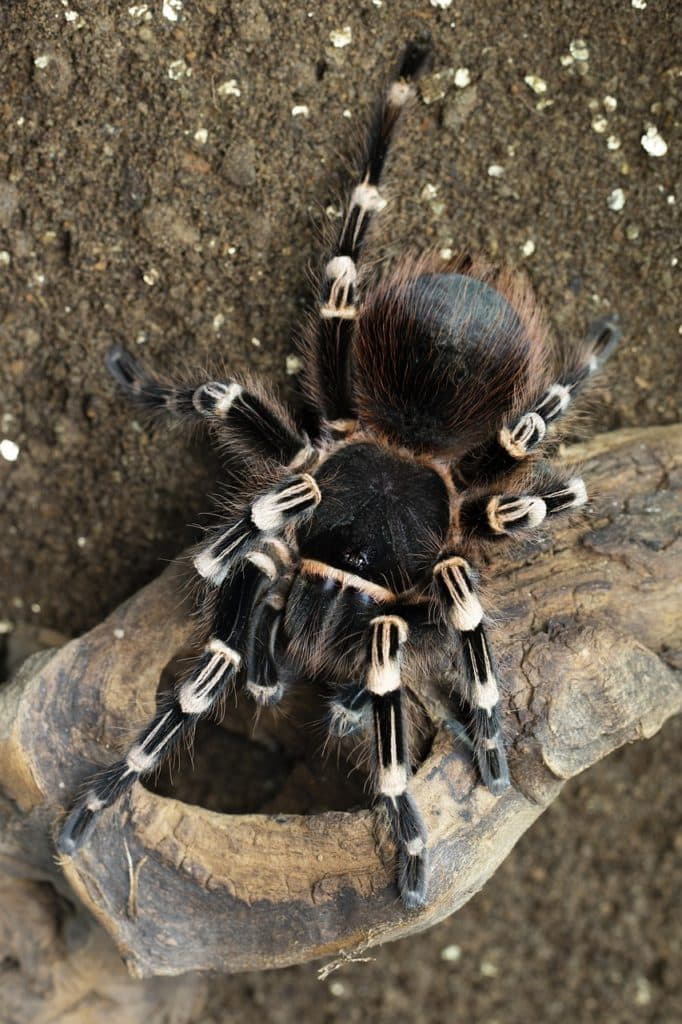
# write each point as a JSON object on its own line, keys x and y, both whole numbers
{"x": 588, "y": 635}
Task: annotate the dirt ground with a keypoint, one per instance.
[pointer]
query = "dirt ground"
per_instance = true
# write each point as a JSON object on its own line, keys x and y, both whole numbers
{"x": 164, "y": 184}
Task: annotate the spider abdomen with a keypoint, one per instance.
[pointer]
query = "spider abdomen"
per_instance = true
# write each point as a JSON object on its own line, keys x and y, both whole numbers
{"x": 441, "y": 359}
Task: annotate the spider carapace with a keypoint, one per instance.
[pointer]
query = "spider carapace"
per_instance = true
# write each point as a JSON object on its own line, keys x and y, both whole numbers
{"x": 349, "y": 559}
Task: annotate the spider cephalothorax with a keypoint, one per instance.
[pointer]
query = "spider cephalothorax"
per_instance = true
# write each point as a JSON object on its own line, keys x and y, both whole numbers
{"x": 351, "y": 559}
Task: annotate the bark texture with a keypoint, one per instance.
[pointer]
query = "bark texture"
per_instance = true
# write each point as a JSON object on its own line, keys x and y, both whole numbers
{"x": 588, "y": 638}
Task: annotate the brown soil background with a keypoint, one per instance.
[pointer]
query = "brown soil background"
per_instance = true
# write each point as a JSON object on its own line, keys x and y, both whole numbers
{"x": 105, "y": 187}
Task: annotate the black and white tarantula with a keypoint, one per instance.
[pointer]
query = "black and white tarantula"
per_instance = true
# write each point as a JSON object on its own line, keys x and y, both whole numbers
{"x": 351, "y": 559}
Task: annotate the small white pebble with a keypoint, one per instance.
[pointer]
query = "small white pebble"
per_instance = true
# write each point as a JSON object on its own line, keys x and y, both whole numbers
{"x": 443, "y": 4}
{"x": 495, "y": 170}
{"x": 140, "y": 11}
{"x": 231, "y": 250}
{"x": 579, "y": 49}
{"x": 632, "y": 232}
{"x": 293, "y": 365}
{"x": 256, "y": 342}
{"x": 488, "y": 969}
{"x": 179, "y": 69}
{"x": 599, "y": 124}
{"x": 151, "y": 276}
{"x": 566, "y": 60}
{"x": 5, "y": 258}
{"x": 445, "y": 253}
{"x": 140, "y": 337}
{"x": 537, "y": 84}
{"x": 670, "y": 200}
{"x": 337, "y": 988}
{"x": 451, "y": 954}
{"x": 528, "y": 247}
{"x": 9, "y": 450}
{"x": 218, "y": 321}
{"x": 428, "y": 192}
{"x": 642, "y": 986}
{"x": 201, "y": 136}
{"x": 171, "y": 9}
{"x": 347, "y": 113}
{"x": 613, "y": 142}
{"x": 333, "y": 212}
{"x": 81, "y": 541}
{"x": 71, "y": 16}
{"x": 610, "y": 104}
{"x": 35, "y": 608}
{"x": 616, "y": 200}
{"x": 229, "y": 88}
{"x": 301, "y": 110}
{"x": 5, "y": 626}
{"x": 341, "y": 37}
{"x": 639, "y": 5}
{"x": 42, "y": 61}
{"x": 462, "y": 78}
{"x": 653, "y": 142}
{"x": 119, "y": 633}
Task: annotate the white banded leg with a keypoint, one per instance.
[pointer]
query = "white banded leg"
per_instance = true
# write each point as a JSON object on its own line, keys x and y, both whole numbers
{"x": 491, "y": 516}
{"x": 285, "y": 502}
{"x": 339, "y": 300}
{"x": 251, "y": 422}
{"x": 264, "y": 683}
{"x": 388, "y": 633}
{"x": 197, "y": 694}
{"x": 564, "y": 495}
{"x": 455, "y": 583}
{"x": 516, "y": 440}
{"x": 502, "y": 515}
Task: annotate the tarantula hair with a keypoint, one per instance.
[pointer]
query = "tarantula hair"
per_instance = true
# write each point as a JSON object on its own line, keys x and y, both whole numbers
{"x": 351, "y": 559}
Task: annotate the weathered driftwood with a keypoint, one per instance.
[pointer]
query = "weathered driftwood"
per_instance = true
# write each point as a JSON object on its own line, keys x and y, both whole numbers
{"x": 586, "y": 637}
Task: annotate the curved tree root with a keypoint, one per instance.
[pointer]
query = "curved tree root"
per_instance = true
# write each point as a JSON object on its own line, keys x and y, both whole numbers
{"x": 586, "y": 641}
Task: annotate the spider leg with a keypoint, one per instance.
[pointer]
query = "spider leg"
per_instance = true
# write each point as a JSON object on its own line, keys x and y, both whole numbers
{"x": 490, "y": 516}
{"x": 342, "y": 616}
{"x": 515, "y": 441}
{"x": 266, "y": 517}
{"x": 339, "y": 301}
{"x": 383, "y": 682}
{"x": 264, "y": 680}
{"x": 349, "y": 710}
{"x": 455, "y": 584}
{"x": 199, "y": 693}
{"x": 247, "y": 420}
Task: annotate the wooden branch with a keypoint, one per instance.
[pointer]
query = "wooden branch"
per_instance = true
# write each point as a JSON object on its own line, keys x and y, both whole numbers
{"x": 586, "y": 642}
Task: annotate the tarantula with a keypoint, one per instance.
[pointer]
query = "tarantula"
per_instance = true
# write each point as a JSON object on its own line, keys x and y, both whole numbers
{"x": 351, "y": 557}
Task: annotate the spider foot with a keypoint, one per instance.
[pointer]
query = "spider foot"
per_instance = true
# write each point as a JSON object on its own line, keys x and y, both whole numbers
{"x": 492, "y": 764}
{"x": 603, "y": 335}
{"x": 413, "y": 855}
{"x": 77, "y": 829}
{"x": 348, "y": 712}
